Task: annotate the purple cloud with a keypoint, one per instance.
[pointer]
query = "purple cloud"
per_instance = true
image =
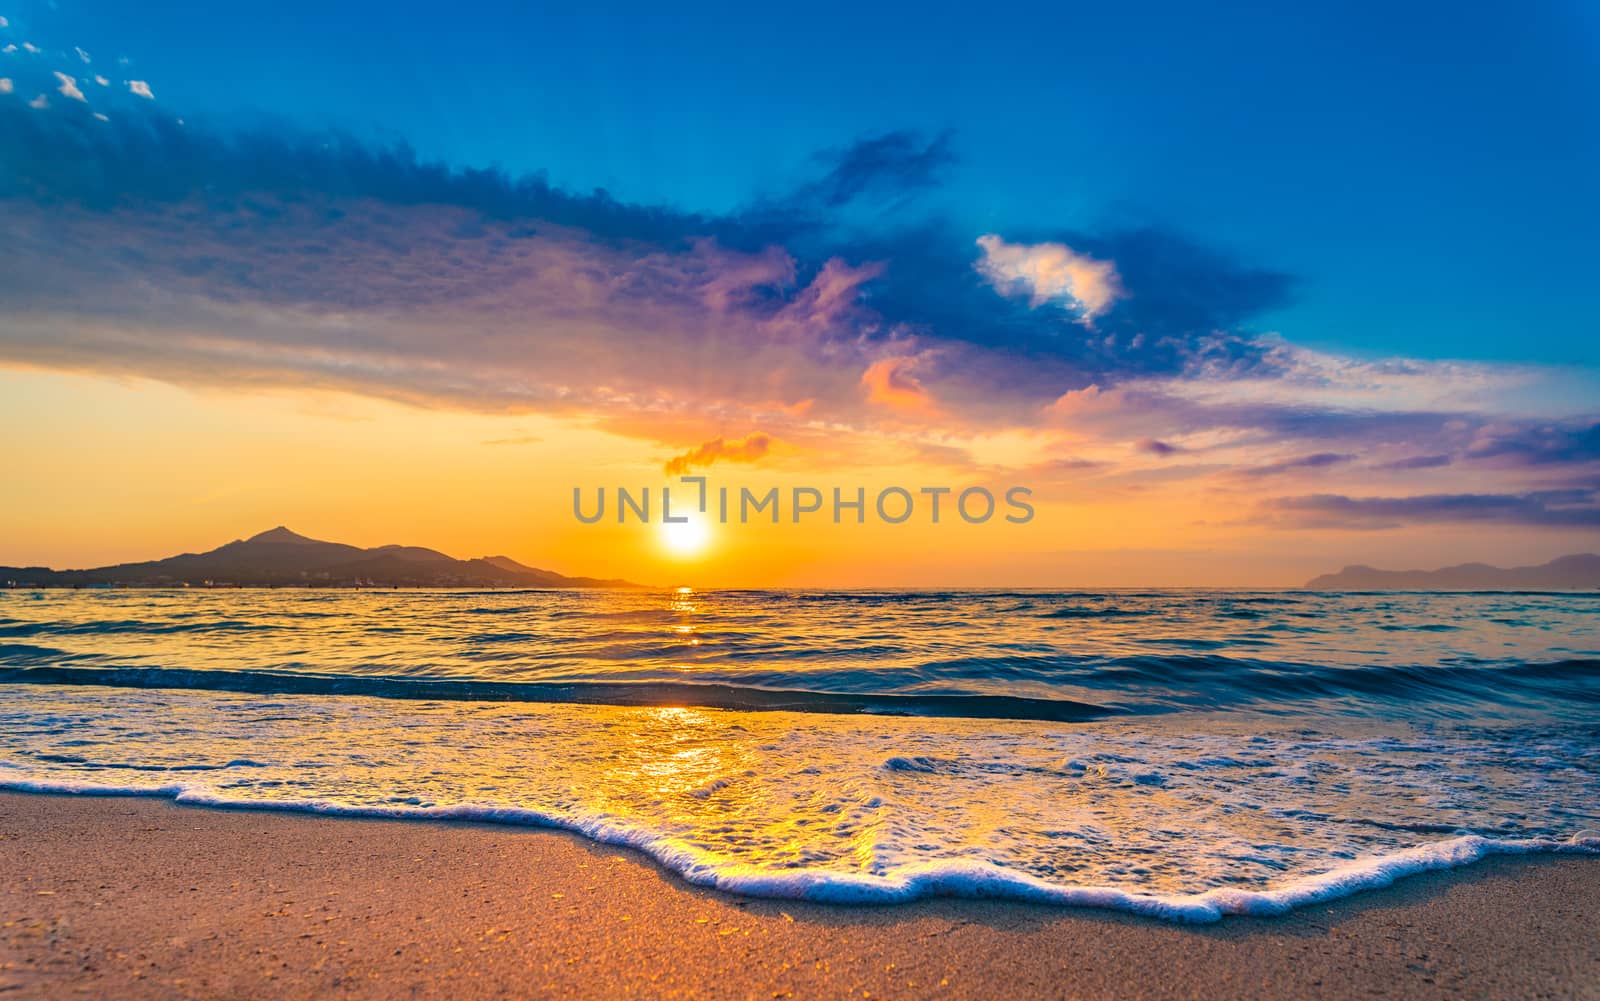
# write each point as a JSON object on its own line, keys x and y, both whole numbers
{"x": 280, "y": 259}
{"x": 1537, "y": 446}
{"x": 1418, "y": 462}
{"x": 1563, "y": 508}
{"x": 1317, "y": 460}
{"x": 1153, "y": 446}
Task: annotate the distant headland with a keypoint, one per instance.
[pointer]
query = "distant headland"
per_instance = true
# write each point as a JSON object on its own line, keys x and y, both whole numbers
{"x": 281, "y": 558}
{"x": 1579, "y": 572}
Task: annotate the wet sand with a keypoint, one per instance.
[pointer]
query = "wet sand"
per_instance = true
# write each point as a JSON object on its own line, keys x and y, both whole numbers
{"x": 139, "y": 898}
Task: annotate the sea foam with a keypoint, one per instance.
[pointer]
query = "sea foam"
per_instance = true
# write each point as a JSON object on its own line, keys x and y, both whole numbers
{"x": 1184, "y": 819}
{"x": 968, "y": 880}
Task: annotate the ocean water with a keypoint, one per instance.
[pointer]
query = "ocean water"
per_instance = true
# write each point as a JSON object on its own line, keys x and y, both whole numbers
{"x": 1183, "y": 754}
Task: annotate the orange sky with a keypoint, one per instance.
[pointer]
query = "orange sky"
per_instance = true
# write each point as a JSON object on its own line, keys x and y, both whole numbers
{"x": 115, "y": 470}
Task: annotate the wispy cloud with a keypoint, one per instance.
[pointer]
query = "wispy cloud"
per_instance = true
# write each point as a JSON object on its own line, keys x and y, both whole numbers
{"x": 1156, "y": 447}
{"x": 891, "y": 164}
{"x": 1418, "y": 462}
{"x": 752, "y": 447}
{"x": 1316, "y": 460}
{"x": 69, "y": 87}
{"x": 1542, "y": 445}
{"x": 892, "y": 382}
{"x": 1562, "y": 508}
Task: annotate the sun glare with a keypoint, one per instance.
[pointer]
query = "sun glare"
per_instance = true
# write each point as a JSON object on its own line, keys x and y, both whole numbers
{"x": 686, "y": 538}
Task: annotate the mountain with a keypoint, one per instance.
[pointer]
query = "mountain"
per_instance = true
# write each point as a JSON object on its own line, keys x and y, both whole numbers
{"x": 281, "y": 558}
{"x": 1580, "y": 572}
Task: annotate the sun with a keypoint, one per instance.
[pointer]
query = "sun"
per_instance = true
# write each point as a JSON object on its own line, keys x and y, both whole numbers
{"x": 686, "y": 538}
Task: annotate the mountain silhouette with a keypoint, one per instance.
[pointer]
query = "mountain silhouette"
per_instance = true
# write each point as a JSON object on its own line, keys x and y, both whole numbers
{"x": 282, "y": 558}
{"x": 1579, "y": 572}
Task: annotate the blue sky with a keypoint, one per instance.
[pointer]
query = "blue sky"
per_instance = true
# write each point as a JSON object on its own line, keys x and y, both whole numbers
{"x": 1424, "y": 172}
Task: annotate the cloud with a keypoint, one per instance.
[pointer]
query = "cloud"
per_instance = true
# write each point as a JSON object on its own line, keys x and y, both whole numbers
{"x": 748, "y": 449}
{"x": 82, "y": 54}
{"x": 30, "y": 47}
{"x": 1050, "y": 272}
{"x": 4, "y": 23}
{"x": 5, "y": 85}
{"x": 1180, "y": 301}
{"x": 1317, "y": 460}
{"x": 893, "y": 164}
{"x": 1536, "y": 446}
{"x": 39, "y": 103}
{"x": 394, "y": 303}
{"x": 1562, "y": 508}
{"x": 1418, "y": 462}
{"x": 140, "y": 88}
{"x": 69, "y": 87}
{"x": 1153, "y": 446}
{"x": 892, "y": 382}
{"x": 277, "y": 258}
{"x": 1089, "y": 401}
{"x": 102, "y": 81}
{"x": 900, "y": 280}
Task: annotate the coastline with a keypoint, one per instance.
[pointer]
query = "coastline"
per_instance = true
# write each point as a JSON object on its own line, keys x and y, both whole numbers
{"x": 138, "y": 897}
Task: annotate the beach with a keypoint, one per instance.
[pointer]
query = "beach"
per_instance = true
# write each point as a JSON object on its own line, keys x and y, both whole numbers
{"x": 142, "y": 898}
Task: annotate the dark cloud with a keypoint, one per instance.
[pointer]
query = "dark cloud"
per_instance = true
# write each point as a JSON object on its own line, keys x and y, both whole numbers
{"x": 1333, "y": 424}
{"x": 1537, "y": 446}
{"x": 69, "y": 157}
{"x": 1152, "y": 446}
{"x": 1178, "y": 288}
{"x": 1178, "y": 300}
{"x": 889, "y": 165}
{"x": 1418, "y": 462}
{"x": 1574, "y": 508}
{"x": 1317, "y": 460}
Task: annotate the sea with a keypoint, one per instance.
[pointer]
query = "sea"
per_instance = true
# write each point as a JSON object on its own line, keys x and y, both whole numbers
{"x": 1182, "y": 754}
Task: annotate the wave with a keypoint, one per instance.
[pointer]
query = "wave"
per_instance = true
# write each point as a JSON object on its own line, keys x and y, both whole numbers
{"x": 614, "y": 693}
{"x": 135, "y": 627}
{"x": 969, "y": 686}
{"x": 1208, "y": 680}
{"x": 934, "y": 878}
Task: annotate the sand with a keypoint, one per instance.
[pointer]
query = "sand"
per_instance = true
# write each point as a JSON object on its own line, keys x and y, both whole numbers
{"x": 139, "y": 898}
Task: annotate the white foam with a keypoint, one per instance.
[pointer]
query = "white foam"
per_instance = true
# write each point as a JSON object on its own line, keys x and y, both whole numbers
{"x": 969, "y": 880}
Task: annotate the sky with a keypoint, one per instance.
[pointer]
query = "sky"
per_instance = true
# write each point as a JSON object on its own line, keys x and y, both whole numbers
{"x": 1240, "y": 293}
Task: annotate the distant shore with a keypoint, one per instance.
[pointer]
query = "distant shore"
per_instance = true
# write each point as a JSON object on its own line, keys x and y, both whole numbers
{"x": 140, "y": 898}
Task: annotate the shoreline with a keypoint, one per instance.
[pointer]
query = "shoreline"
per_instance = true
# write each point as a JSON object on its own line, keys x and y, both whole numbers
{"x": 997, "y": 885}
{"x": 142, "y": 897}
